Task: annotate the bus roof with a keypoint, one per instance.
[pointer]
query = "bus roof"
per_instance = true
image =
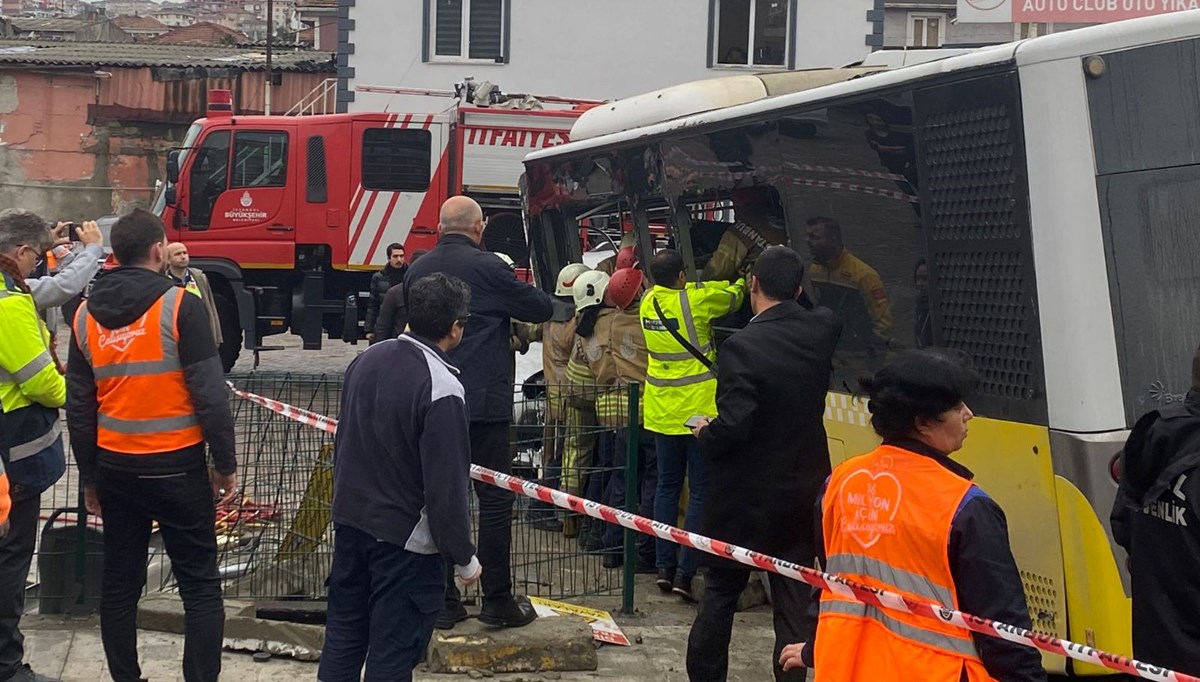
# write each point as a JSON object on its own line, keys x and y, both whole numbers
{"x": 1077, "y": 43}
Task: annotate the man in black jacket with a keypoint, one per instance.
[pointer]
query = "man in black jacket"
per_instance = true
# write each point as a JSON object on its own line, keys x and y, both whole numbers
{"x": 767, "y": 445}
{"x": 1155, "y": 518}
{"x": 485, "y": 360}
{"x": 140, "y": 443}
{"x": 392, "y": 274}
{"x": 401, "y": 459}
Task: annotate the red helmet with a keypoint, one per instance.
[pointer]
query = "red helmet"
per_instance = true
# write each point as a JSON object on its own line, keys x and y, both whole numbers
{"x": 626, "y": 258}
{"x": 624, "y": 287}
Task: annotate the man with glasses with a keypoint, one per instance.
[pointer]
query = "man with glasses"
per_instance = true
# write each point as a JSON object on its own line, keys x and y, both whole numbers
{"x": 400, "y": 466}
{"x": 31, "y": 391}
{"x": 485, "y": 360}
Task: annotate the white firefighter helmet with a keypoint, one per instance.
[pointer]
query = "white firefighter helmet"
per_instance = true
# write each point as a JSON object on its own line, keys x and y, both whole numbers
{"x": 589, "y": 289}
{"x": 567, "y": 276}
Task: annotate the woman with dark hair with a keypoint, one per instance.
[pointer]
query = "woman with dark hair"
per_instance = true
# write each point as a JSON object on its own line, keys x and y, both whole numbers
{"x": 906, "y": 518}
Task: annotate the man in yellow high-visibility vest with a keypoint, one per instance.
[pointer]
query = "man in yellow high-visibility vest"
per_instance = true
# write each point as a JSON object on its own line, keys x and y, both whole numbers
{"x": 679, "y": 385}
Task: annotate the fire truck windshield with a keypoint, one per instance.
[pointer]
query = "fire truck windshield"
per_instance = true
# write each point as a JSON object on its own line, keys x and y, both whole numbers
{"x": 160, "y": 195}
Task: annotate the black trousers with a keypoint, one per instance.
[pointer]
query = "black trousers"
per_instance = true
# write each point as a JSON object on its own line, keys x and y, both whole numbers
{"x": 490, "y": 449}
{"x": 383, "y": 601}
{"x": 647, "y": 473}
{"x": 183, "y": 507}
{"x": 16, "y": 553}
{"x": 708, "y": 643}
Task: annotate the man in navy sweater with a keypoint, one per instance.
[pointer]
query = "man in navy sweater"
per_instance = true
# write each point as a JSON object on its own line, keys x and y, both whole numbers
{"x": 401, "y": 464}
{"x": 485, "y": 358}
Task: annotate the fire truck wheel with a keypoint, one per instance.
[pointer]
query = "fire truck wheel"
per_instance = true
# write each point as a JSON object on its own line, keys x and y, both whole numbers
{"x": 231, "y": 332}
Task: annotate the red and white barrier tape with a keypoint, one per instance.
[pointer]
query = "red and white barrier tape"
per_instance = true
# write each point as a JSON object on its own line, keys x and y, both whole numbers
{"x": 825, "y": 581}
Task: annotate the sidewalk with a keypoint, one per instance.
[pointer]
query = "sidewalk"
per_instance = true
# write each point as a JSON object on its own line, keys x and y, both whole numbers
{"x": 72, "y": 650}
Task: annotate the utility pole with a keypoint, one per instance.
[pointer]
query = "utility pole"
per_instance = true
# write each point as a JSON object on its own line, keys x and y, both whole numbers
{"x": 270, "y": 71}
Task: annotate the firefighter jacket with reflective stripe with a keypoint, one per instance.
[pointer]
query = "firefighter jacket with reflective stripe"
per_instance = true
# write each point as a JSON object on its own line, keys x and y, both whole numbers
{"x": 144, "y": 404}
{"x": 558, "y": 341}
{"x": 678, "y": 384}
{"x": 617, "y": 354}
{"x": 31, "y": 387}
{"x": 848, "y": 270}
{"x": 886, "y": 523}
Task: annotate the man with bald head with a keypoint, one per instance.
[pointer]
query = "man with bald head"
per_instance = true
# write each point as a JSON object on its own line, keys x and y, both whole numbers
{"x": 484, "y": 359}
{"x": 194, "y": 282}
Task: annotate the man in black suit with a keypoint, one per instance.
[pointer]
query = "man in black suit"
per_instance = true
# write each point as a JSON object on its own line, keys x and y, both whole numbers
{"x": 767, "y": 457}
{"x": 484, "y": 359}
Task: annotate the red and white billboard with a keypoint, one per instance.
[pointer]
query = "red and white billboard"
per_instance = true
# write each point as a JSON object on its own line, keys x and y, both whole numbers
{"x": 1066, "y": 11}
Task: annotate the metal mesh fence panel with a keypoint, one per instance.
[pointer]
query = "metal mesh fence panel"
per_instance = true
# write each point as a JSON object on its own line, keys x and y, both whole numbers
{"x": 275, "y": 541}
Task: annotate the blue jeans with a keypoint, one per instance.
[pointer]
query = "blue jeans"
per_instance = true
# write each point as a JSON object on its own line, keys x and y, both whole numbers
{"x": 678, "y": 456}
{"x": 383, "y": 601}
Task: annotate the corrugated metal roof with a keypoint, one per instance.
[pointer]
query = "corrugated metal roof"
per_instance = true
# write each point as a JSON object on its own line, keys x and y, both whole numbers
{"x": 29, "y": 24}
{"x": 27, "y": 52}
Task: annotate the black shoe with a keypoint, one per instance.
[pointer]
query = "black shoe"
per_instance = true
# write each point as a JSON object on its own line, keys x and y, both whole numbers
{"x": 613, "y": 559}
{"x": 451, "y": 615}
{"x": 594, "y": 544}
{"x": 513, "y": 614}
{"x": 26, "y": 674}
{"x": 645, "y": 568}
{"x": 546, "y": 523}
{"x": 683, "y": 588}
{"x": 666, "y": 576}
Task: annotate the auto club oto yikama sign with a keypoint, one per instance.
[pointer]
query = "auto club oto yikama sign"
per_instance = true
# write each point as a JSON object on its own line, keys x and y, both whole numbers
{"x": 1066, "y": 11}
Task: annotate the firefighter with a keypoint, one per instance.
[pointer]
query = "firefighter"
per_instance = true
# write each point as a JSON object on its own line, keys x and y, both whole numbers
{"x": 907, "y": 518}
{"x": 676, "y": 320}
{"x": 558, "y": 340}
{"x": 759, "y": 223}
{"x": 579, "y": 448}
{"x": 146, "y": 395}
{"x": 31, "y": 391}
{"x": 841, "y": 272}
{"x": 621, "y": 361}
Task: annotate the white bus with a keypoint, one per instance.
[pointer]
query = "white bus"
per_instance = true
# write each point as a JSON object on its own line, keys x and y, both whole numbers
{"x": 1036, "y": 205}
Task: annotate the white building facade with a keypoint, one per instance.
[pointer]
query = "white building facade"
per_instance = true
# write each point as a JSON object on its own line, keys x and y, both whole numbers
{"x": 591, "y": 49}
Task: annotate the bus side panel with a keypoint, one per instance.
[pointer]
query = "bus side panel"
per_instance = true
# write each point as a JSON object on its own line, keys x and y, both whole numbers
{"x": 1092, "y": 576}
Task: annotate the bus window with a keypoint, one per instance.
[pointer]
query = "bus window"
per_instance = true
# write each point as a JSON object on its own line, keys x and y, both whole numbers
{"x": 209, "y": 176}
{"x": 849, "y": 177}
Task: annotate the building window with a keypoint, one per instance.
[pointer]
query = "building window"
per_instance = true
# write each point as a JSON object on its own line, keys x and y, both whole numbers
{"x": 751, "y": 32}
{"x": 1032, "y": 30}
{"x": 396, "y": 159}
{"x": 926, "y": 30}
{"x": 467, "y": 29}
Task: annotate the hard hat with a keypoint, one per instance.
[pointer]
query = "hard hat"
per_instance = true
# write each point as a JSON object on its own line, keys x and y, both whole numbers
{"x": 763, "y": 197}
{"x": 507, "y": 260}
{"x": 567, "y": 276}
{"x": 589, "y": 289}
{"x": 623, "y": 287}
{"x": 626, "y": 258}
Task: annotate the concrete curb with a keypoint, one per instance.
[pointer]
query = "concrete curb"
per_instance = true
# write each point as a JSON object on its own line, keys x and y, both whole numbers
{"x": 560, "y": 644}
{"x": 243, "y": 631}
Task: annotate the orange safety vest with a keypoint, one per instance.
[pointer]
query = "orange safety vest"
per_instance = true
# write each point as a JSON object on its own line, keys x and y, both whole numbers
{"x": 145, "y": 407}
{"x": 887, "y": 517}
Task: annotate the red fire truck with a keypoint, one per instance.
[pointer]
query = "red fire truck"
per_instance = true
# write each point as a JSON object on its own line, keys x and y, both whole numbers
{"x": 290, "y": 215}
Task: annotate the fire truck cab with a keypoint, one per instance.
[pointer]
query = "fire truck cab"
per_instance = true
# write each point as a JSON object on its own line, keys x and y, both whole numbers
{"x": 290, "y": 215}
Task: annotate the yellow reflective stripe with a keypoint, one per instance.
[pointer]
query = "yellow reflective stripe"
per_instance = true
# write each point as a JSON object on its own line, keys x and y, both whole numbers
{"x": 962, "y": 647}
{"x": 144, "y": 426}
{"x": 681, "y": 381}
{"x": 680, "y": 357}
{"x": 31, "y": 448}
{"x": 29, "y": 371}
{"x": 905, "y": 581}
